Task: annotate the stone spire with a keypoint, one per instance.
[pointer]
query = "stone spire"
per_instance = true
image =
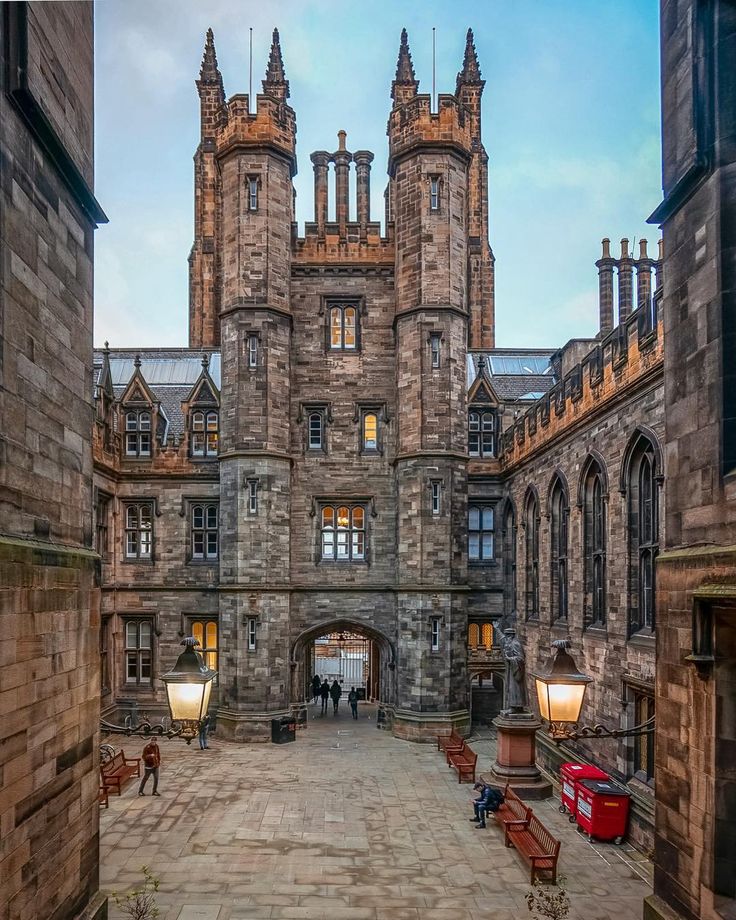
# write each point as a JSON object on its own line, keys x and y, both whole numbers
{"x": 276, "y": 83}
{"x": 470, "y": 73}
{"x": 209, "y": 72}
{"x": 405, "y": 84}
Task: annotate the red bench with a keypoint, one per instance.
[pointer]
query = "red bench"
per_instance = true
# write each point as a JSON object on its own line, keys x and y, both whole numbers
{"x": 535, "y": 843}
{"x": 102, "y": 797}
{"x": 464, "y": 762}
{"x": 117, "y": 770}
{"x": 453, "y": 740}
{"x": 511, "y": 812}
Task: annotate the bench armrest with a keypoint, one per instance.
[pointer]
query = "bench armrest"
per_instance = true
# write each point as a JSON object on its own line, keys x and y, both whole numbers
{"x": 541, "y": 856}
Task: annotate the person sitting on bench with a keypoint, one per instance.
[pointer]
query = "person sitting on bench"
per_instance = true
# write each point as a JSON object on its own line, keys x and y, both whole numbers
{"x": 489, "y": 799}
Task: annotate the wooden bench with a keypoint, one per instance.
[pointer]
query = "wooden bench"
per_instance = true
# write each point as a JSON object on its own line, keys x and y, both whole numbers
{"x": 535, "y": 843}
{"x": 116, "y": 771}
{"x": 464, "y": 762}
{"x": 453, "y": 740}
{"x": 512, "y": 811}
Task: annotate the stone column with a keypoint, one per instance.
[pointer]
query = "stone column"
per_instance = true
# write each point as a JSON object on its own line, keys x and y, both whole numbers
{"x": 342, "y": 159}
{"x": 605, "y": 288}
{"x": 363, "y": 160}
{"x": 321, "y": 161}
{"x": 625, "y": 289}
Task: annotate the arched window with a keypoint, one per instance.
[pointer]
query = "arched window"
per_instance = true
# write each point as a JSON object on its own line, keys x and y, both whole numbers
{"x": 343, "y": 533}
{"x": 473, "y": 635}
{"x": 531, "y": 521}
{"x": 482, "y": 434}
{"x": 559, "y": 517}
{"x": 370, "y": 431}
{"x": 509, "y": 559}
{"x": 486, "y": 635}
{"x": 343, "y": 327}
{"x": 205, "y": 434}
{"x": 643, "y": 532}
{"x": 138, "y": 433}
{"x": 205, "y": 631}
{"x": 316, "y": 431}
{"x": 594, "y": 546}
{"x": 205, "y": 532}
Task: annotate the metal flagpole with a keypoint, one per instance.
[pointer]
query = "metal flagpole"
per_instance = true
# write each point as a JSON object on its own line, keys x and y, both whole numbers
{"x": 250, "y": 73}
{"x": 434, "y": 68}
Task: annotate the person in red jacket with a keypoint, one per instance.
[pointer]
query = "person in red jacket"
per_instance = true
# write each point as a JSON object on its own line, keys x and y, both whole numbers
{"x": 151, "y": 763}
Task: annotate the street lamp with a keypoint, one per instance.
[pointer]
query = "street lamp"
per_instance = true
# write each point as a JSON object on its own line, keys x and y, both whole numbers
{"x": 560, "y": 695}
{"x": 188, "y": 688}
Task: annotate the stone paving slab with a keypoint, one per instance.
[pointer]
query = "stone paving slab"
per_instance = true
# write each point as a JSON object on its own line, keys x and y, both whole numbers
{"x": 355, "y": 825}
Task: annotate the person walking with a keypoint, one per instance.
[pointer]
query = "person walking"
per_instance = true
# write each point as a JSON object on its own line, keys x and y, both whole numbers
{"x": 204, "y": 726}
{"x": 324, "y": 692}
{"x": 353, "y": 700}
{"x": 316, "y": 684}
{"x": 151, "y": 763}
{"x": 335, "y": 693}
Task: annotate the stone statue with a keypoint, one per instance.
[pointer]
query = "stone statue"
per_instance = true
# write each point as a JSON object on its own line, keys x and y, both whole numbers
{"x": 515, "y": 698}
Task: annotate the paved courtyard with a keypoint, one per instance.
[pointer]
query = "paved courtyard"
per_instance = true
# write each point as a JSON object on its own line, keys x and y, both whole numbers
{"x": 346, "y": 823}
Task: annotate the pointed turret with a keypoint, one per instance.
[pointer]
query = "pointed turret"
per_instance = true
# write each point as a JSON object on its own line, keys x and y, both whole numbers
{"x": 210, "y": 77}
{"x": 104, "y": 382}
{"x": 276, "y": 83}
{"x": 470, "y": 74}
{"x": 405, "y": 84}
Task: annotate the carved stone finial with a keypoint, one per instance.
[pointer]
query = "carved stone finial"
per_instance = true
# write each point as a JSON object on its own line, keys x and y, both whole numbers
{"x": 405, "y": 83}
{"x": 205, "y": 361}
{"x": 276, "y": 83}
{"x": 137, "y": 361}
{"x": 471, "y": 69}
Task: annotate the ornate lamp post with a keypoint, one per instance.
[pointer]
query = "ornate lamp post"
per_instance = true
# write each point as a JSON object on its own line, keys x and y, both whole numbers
{"x": 560, "y": 694}
{"x": 188, "y": 688}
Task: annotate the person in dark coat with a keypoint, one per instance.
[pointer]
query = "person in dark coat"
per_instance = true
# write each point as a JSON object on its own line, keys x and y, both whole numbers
{"x": 151, "y": 764}
{"x": 204, "y": 727}
{"x": 335, "y": 693}
{"x": 353, "y": 700}
{"x": 324, "y": 692}
{"x": 490, "y": 799}
{"x": 316, "y": 684}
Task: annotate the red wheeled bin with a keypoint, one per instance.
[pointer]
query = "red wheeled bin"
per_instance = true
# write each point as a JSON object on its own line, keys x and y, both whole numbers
{"x": 602, "y": 810}
{"x": 570, "y": 773}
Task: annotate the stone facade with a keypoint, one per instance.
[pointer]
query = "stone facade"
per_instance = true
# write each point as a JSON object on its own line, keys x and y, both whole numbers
{"x": 49, "y": 590}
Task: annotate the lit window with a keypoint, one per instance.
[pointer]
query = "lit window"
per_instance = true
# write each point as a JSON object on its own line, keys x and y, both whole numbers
{"x": 252, "y": 350}
{"x": 205, "y": 434}
{"x": 370, "y": 431}
{"x": 205, "y": 632}
{"x": 204, "y": 532}
{"x": 436, "y": 496}
{"x": 486, "y": 636}
{"x": 252, "y": 496}
{"x": 434, "y": 347}
{"x": 138, "y": 651}
{"x": 480, "y": 533}
{"x": 434, "y": 193}
{"x": 252, "y": 194}
{"x": 343, "y": 328}
{"x": 473, "y": 635}
{"x": 343, "y": 533}
{"x": 316, "y": 431}
{"x": 138, "y": 530}
{"x": 137, "y": 433}
{"x": 482, "y": 434}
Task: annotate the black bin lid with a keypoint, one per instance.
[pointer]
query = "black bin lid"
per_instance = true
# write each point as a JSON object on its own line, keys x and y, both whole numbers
{"x": 603, "y": 787}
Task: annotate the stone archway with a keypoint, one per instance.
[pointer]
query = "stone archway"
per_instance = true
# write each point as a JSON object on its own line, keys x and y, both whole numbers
{"x": 382, "y": 673}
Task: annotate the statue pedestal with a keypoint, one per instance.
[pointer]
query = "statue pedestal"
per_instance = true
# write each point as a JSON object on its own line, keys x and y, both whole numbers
{"x": 516, "y": 756}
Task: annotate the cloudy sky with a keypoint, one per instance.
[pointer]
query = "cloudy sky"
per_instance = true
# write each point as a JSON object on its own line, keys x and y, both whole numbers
{"x": 570, "y": 123}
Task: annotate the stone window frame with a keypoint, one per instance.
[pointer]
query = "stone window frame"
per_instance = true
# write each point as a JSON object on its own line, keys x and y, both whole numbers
{"x": 436, "y": 488}
{"x": 531, "y": 526}
{"x": 318, "y": 505}
{"x": 435, "y": 197}
{"x": 435, "y": 340}
{"x": 208, "y": 452}
{"x": 639, "y": 697}
{"x": 480, "y": 507}
{"x": 307, "y": 410}
{"x": 332, "y": 303}
{"x": 362, "y": 409}
{"x": 252, "y": 355}
{"x": 593, "y": 503}
{"x": 436, "y": 623}
{"x": 106, "y": 620}
{"x": 197, "y": 626}
{"x": 139, "y": 501}
{"x": 103, "y": 499}
{"x": 206, "y": 503}
{"x": 558, "y": 503}
{"x": 478, "y": 435}
{"x": 508, "y": 538}
{"x": 139, "y": 680}
{"x": 253, "y": 181}
{"x": 138, "y": 432}
{"x": 252, "y": 484}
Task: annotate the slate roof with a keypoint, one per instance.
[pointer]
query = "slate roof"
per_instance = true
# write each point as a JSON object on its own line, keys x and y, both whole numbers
{"x": 533, "y": 372}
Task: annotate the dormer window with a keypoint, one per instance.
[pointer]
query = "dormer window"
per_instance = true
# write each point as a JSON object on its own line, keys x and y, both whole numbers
{"x": 434, "y": 193}
{"x": 482, "y": 434}
{"x": 205, "y": 434}
{"x": 252, "y": 193}
{"x": 137, "y": 433}
{"x": 343, "y": 330}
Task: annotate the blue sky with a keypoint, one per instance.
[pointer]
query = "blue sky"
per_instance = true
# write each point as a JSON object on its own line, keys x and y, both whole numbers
{"x": 570, "y": 123}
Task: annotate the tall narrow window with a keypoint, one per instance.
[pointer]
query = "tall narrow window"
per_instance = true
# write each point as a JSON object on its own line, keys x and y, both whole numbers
{"x": 436, "y": 622}
{"x": 252, "y": 350}
{"x": 594, "y": 547}
{"x": 480, "y": 533}
{"x": 532, "y": 557}
{"x": 486, "y": 635}
{"x": 252, "y": 627}
{"x": 643, "y": 529}
{"x": 253, "y": 194}
{"x": 205, "y": 434}
{"x": 482, "y": 434}
{"x": 205, "y": 632}
{"x": 138, "y": 433}
{"x": 370, "y": 431}
{"x": 252, "y": 496}
{"x": 315, "y": 424}
{"x": 434, "y": 193}
{"x": 343, "y": 537}
{"x": 509, "y": 559}
{"x": 102, "y": 525}
{"x": 204, "y": 532}
{"x": 105, "y": 686}
{"x": 435, "y": 341}
{"x": 643, "y": 744}
{"x": 343, "y": 327}
{"x": 473, "y": 635}
{"x": 436, "y": 486}
{"x": 559, "y": 515}
{"x": 138, "y": 530}
{"x": 138, "y": 651}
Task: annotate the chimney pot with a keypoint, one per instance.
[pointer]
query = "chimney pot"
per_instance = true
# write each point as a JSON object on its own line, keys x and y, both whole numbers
{"x": 642, "y": 249}
{"x": 624, "y": 248}
{"x": 606, "y": 243}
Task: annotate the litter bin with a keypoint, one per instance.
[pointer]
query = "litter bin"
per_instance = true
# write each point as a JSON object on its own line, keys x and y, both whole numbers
{"x": 602, "y": 809}
{"x": 570, "y": 773}
{"x": 283, "y": 730}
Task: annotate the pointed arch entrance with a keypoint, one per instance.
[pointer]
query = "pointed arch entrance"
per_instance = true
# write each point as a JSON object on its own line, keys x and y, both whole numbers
{"x": 351, "y": 650}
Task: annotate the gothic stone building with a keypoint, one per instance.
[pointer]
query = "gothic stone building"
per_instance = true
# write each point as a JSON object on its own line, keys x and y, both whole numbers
{"x": 342, "y": 446}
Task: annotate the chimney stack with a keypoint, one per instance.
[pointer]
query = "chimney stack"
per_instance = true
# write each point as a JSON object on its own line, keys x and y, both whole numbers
{"x": 643, "y": 276}
{"x": 342, "y": 159}
{"x": 363, "y": 160}
{"x": 625, "y": 287}
{"x": 605, "y": 288}
{"x": 658, "y": 265}
{"x": 321, "y": 161}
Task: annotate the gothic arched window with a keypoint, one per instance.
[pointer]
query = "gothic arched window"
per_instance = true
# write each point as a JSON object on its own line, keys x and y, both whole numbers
{"x": 594, "y": 546}
{"x": 559, "y": 517}
{"x": 531, "y": 524}
{"x": 643, "y": 533}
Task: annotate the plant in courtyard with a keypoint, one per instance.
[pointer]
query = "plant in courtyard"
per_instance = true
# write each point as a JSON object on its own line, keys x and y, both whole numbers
{"x": 140, "y": 903}
{"x": 548, "y": 903}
